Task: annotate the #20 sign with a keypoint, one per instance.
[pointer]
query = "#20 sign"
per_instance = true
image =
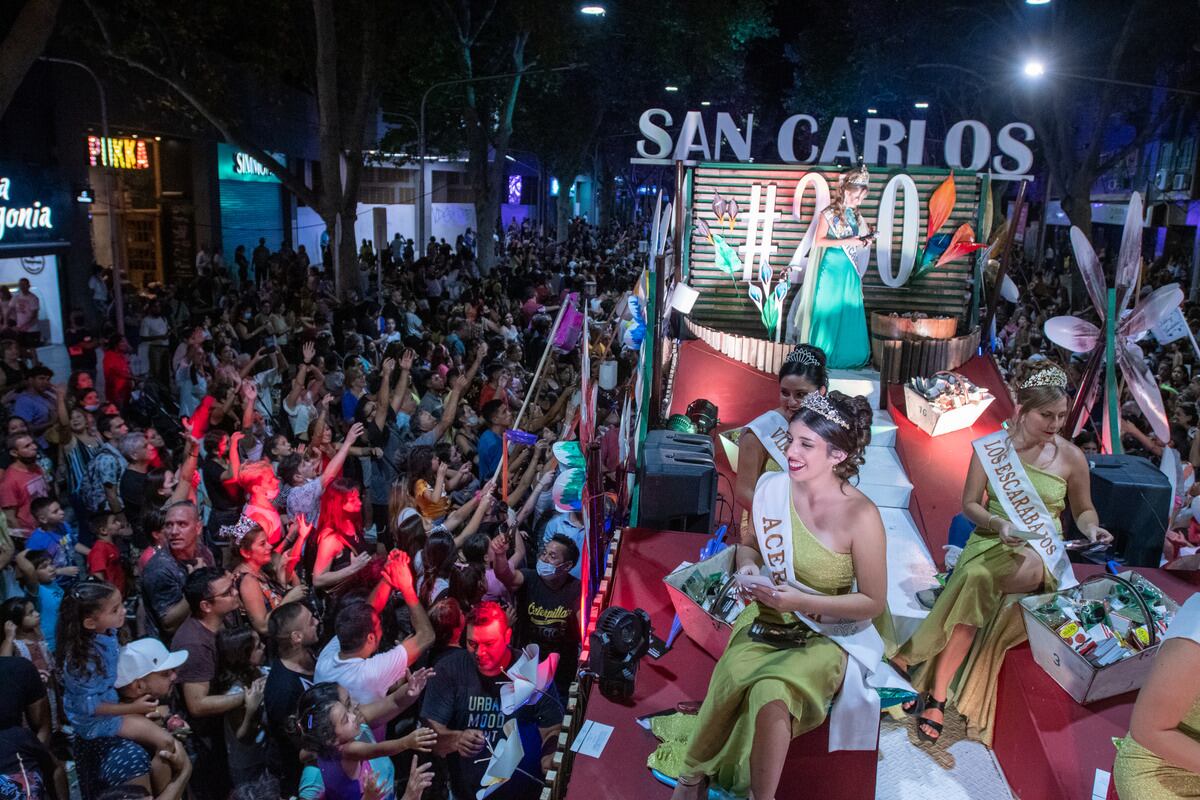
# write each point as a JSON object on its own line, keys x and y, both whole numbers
{"x": 753, "y": 223}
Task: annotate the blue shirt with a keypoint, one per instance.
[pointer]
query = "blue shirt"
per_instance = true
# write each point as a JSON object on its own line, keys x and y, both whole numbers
{"x": 82, "y": 693}
{"x": 60, "y": 544}
{"x": 490, "y": 450}
{"x": 49, "y": 598}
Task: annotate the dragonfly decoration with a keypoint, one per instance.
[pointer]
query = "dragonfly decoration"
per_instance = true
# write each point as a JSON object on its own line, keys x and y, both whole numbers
{"x": 1081, "y": 336}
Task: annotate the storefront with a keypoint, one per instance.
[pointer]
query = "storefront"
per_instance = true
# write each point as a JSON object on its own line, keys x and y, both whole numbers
{"x": 252, "y": 203}
{"x": 35, "y": 214}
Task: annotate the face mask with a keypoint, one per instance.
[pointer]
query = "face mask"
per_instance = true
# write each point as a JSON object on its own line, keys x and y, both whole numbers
{"x": 472, "y": 421}
{"x": 546, "y": 570}
{"x": 246, "y": 316}
{"x": 94, "y": 407}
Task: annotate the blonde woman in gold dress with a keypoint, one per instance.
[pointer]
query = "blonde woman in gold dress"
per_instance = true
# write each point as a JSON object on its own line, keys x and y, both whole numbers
{"x": 960, "y": 646}
{"x": 1160, "y": 758}
{"x": 760, "y": 697}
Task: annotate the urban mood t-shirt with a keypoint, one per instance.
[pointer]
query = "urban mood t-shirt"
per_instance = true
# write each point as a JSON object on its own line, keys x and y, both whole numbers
{"x": 461, "y": 699}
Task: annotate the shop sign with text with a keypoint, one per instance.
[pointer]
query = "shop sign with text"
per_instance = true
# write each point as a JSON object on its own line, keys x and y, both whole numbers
{"x": 235, "y": 165}
{"x": 118, "y": 152}
{"x": 34, "y": 205}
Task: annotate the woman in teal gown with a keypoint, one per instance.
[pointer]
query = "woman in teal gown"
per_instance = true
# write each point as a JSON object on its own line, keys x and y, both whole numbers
{"x": 837, "y": 320}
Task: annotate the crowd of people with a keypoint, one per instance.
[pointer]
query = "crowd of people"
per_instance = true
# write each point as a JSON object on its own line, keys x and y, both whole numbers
{"x": 272, "y": 542}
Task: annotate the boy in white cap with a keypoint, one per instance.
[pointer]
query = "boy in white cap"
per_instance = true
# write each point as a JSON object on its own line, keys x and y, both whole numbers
{"x": 146, "y": 669}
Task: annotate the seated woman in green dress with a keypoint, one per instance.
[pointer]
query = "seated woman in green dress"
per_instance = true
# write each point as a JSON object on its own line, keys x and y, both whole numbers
{"x": 961, "y": 644}
{"x": 1160, "y": 758}
{"x": 760, "y": 697}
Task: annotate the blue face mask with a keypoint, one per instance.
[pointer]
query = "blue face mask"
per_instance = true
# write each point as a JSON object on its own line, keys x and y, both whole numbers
{"x": 546, "y": 570}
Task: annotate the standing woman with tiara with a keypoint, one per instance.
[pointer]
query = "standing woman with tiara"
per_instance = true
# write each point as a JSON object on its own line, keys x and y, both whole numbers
{"x": 836, "y": 320}
{"x": 960, "y": 646}
{"x": 763, "y": 441}
{"x": 823, "y": 544}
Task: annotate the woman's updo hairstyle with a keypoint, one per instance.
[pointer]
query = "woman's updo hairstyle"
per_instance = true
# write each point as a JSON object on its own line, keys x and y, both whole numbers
{"x": 1038, "y": 384}
{"x": 807, "y": 362}
{"x": 844, "y": 422}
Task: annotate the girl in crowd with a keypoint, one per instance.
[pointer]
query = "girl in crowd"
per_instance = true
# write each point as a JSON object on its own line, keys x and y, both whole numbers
{"x": 961, "y": 644}
{"x": 89, "y": 617}
{"x": 240, "y": 654}
{"x": 760, "y": 697}
{"x": 23, "y": 637}
{"x": 427, "y": 482}
{"x": 263, "y": 584}
{"x": 348, "y": 757}
{"x": 341, "y": 549}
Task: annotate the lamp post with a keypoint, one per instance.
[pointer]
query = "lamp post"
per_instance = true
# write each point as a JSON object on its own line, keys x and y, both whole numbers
{"x": 421, "y": 132}
{"x": 114, "y": 238}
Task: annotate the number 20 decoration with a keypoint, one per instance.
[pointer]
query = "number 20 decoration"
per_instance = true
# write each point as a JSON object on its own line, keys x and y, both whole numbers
{"x": 914, "y": 261}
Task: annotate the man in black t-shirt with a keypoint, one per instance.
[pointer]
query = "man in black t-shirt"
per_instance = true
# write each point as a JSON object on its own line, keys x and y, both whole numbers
{"x": 547, "y": 602}
{"x": 462, "y": 704}
{"x": 293, "y": 629}
{"x": 24, "y": 697}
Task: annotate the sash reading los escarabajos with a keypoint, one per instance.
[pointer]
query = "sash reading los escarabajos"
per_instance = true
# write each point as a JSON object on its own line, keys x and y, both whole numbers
{"x": 1015, "y": 493}
{"x": 854, "y": 719}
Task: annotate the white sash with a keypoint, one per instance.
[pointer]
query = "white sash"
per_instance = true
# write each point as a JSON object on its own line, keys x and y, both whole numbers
{"x": 854, "y": 720}
{"x": 1023, "y": 505}
{"x": 771, "y": 429}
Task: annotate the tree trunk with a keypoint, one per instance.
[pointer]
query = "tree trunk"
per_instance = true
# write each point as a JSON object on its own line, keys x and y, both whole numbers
{"x": 22, "y": 45}
{"x": 563, "y": 212}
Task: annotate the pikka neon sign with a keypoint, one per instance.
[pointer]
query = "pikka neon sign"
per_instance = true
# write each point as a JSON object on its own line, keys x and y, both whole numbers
{"x": 30, "y": 218}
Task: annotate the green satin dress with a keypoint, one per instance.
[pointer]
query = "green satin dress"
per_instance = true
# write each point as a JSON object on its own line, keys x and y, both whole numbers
{"x": 1141, "y": 775}
{"x": 972, "y": 597}
{"x": 750, "y": 675}
{"x": 839, "y": 321}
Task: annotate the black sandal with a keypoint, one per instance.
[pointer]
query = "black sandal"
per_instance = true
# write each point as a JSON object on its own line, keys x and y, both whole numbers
{"x": 937, "y": 705}
{"x": 913, "y": 707}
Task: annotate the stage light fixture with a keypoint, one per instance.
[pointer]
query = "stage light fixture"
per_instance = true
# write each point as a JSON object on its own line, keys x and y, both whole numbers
{"x": 683, "y": 298}
{"x": 703, "y": 414}
{"x": 618, "y": 643}
{"x": 680, "y": 424}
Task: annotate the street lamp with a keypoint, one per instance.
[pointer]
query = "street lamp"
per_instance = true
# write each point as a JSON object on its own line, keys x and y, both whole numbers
{"x": 921, "y": 104}
{"x": 671, "y": 88}
{"x": 421, "y": 131}
{"x": 1037, "y": 2}
{"x": 1035, "y": 69}
{"x": 592, "y": 10}
{"x": 114, "y": 240}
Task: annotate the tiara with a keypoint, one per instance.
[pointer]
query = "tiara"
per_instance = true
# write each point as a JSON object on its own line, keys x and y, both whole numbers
{"x": 1047, "y": 377}
{"x": 802, "y": 356}
{"x": 819, "y": 403}
{"x": 237, "y": 531}
{"x": 858, "y": 176}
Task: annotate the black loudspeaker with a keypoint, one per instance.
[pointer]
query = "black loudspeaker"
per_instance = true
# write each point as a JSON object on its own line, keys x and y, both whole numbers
{"x": 677, "y": 483}
{"x": 1133, "y": 499}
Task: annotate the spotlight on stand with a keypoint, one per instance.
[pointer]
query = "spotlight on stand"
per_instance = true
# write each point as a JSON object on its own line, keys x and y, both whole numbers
{"x": 619, "y": 641}
{"x": 703, "y": 414}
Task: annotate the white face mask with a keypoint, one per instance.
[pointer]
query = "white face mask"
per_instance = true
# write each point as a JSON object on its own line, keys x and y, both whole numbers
{"x": 546, "y": 570}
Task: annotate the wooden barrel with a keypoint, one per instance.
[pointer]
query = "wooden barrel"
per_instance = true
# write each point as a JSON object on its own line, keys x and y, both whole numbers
{"x": 893, "y": 327}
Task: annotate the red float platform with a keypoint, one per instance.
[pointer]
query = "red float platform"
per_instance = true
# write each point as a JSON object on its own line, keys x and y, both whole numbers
{"x": 682, "y": 674}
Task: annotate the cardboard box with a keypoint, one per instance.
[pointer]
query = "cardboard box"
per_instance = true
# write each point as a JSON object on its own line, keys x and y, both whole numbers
{"x": 935, "y": 422}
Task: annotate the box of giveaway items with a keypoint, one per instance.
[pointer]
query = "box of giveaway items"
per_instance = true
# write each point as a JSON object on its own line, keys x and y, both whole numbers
{"x": 1098, "y": 639}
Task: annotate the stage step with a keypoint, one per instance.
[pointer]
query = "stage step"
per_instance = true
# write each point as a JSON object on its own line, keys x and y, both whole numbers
{"x": 883, "y": 429}
{"x": 910, "y": 569}
{"x": 882, "y": 478}
{"x": 863, "y": 382}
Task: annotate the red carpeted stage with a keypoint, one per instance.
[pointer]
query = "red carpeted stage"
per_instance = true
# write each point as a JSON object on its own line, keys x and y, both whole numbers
{"x": 1048, "y": 745}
